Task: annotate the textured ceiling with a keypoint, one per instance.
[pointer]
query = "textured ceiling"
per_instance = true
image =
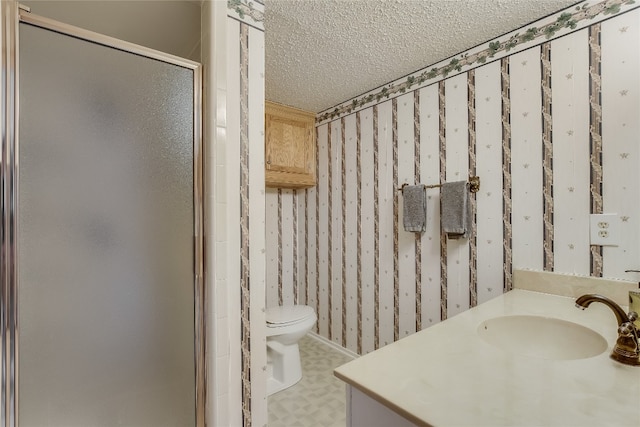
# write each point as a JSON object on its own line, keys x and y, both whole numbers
{"x": 320, "y": 53}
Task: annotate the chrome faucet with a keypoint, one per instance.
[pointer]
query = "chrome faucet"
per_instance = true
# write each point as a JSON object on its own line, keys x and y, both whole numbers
{"x": 584, "y": 301}
{"x": 627, "y": 348}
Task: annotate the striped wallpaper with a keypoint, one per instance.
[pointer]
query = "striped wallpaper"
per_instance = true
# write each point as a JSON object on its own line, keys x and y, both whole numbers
{"x": 240, "y": 384}
{"x": 552, "y": 133}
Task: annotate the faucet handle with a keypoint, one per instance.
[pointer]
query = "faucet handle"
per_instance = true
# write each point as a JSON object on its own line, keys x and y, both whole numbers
{"x": 633, "y": 316}
{"x": 626, "y": 329}
{"x": 626, "y": 350}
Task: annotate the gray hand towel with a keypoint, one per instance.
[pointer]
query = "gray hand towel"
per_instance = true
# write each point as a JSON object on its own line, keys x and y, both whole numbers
{"x": 456, "y": 213}
{"x": 414, "y": 215}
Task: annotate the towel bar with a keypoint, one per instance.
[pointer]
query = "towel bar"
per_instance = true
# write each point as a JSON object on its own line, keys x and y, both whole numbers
{"x": 474, "y": 184}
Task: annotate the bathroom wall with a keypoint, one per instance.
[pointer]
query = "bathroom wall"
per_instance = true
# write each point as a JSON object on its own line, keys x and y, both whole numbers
{"x": 546, "y": 116}
{"x": 233, "y": 55}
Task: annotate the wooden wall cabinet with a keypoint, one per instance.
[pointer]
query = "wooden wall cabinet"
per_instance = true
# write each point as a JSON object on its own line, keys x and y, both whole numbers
{"x": 290, "y": 147}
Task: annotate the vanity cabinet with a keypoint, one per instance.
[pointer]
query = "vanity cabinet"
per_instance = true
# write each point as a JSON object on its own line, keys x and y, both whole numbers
{"x": 363, "y": 411}
{"x": 451, "y": 375}
{"x": 290, "y": 147}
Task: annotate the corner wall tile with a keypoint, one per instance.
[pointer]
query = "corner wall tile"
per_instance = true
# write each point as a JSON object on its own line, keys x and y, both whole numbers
{"x": 221, "y": 223}
{"x": 222, "y": 299}
{"x": 220, "y": 266}
{"x": 219, "y": 153}
{"x": 221, "y": 378}
{"x": 222, "y": 409}
{"x": 222, "y": 337}
{"x": 221, "y": 108}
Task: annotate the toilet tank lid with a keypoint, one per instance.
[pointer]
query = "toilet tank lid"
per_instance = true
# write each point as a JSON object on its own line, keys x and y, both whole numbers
{"x": 288, "y": 313}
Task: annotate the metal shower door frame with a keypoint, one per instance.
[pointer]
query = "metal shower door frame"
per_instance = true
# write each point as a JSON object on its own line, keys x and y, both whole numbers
{"x": 11, "y": 15}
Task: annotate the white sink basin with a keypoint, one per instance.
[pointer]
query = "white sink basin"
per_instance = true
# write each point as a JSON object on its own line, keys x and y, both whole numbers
{"x": 542, "y": 337}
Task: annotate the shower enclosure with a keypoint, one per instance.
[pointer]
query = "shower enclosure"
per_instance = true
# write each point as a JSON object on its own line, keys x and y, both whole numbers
{"x": 102, "y": 281}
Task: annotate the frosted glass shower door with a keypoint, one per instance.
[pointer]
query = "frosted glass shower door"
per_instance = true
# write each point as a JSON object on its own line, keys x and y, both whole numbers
{"x": 105, "y": 236}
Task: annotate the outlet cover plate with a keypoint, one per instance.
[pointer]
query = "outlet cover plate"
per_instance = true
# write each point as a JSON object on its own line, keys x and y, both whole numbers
{"x": 604, "y": 229}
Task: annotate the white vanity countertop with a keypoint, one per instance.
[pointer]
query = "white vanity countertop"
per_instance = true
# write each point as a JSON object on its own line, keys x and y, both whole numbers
{"x": 447, "y": 375}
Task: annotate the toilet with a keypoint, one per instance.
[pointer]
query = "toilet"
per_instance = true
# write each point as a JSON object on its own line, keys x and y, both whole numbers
{"x": 285, "y": 326}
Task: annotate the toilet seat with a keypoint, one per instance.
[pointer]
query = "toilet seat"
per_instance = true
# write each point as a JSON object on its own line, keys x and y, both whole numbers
{"x": 285, "y": 326}
{"x": 287, "y": 315}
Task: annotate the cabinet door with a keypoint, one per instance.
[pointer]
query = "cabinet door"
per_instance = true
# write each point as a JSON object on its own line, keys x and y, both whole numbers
{"x": 363, "y": 411}
{"x": 289, "y": 147}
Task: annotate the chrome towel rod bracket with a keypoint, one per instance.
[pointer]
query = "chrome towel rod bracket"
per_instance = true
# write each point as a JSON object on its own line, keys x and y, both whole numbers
{"x": 474, "y": 184}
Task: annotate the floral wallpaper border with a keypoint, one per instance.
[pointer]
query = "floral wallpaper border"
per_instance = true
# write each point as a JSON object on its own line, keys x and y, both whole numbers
{"x": 561, "y": 23}
{"x": 248, "y": 11}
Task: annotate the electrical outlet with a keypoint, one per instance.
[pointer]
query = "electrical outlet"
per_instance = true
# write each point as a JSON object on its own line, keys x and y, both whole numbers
{"x": 603, "y": 229}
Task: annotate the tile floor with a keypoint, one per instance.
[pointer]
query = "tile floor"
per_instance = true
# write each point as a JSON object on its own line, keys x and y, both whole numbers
{"x": 318, "y": 400}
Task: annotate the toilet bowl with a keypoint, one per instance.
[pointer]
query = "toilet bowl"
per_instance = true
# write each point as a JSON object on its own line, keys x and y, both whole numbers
{"x": 285, "y": 326}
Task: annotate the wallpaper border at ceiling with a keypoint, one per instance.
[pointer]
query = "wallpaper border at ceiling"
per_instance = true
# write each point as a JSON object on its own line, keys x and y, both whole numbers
{"x": 247, "y": 11}
{"x": 554, "y": 26}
